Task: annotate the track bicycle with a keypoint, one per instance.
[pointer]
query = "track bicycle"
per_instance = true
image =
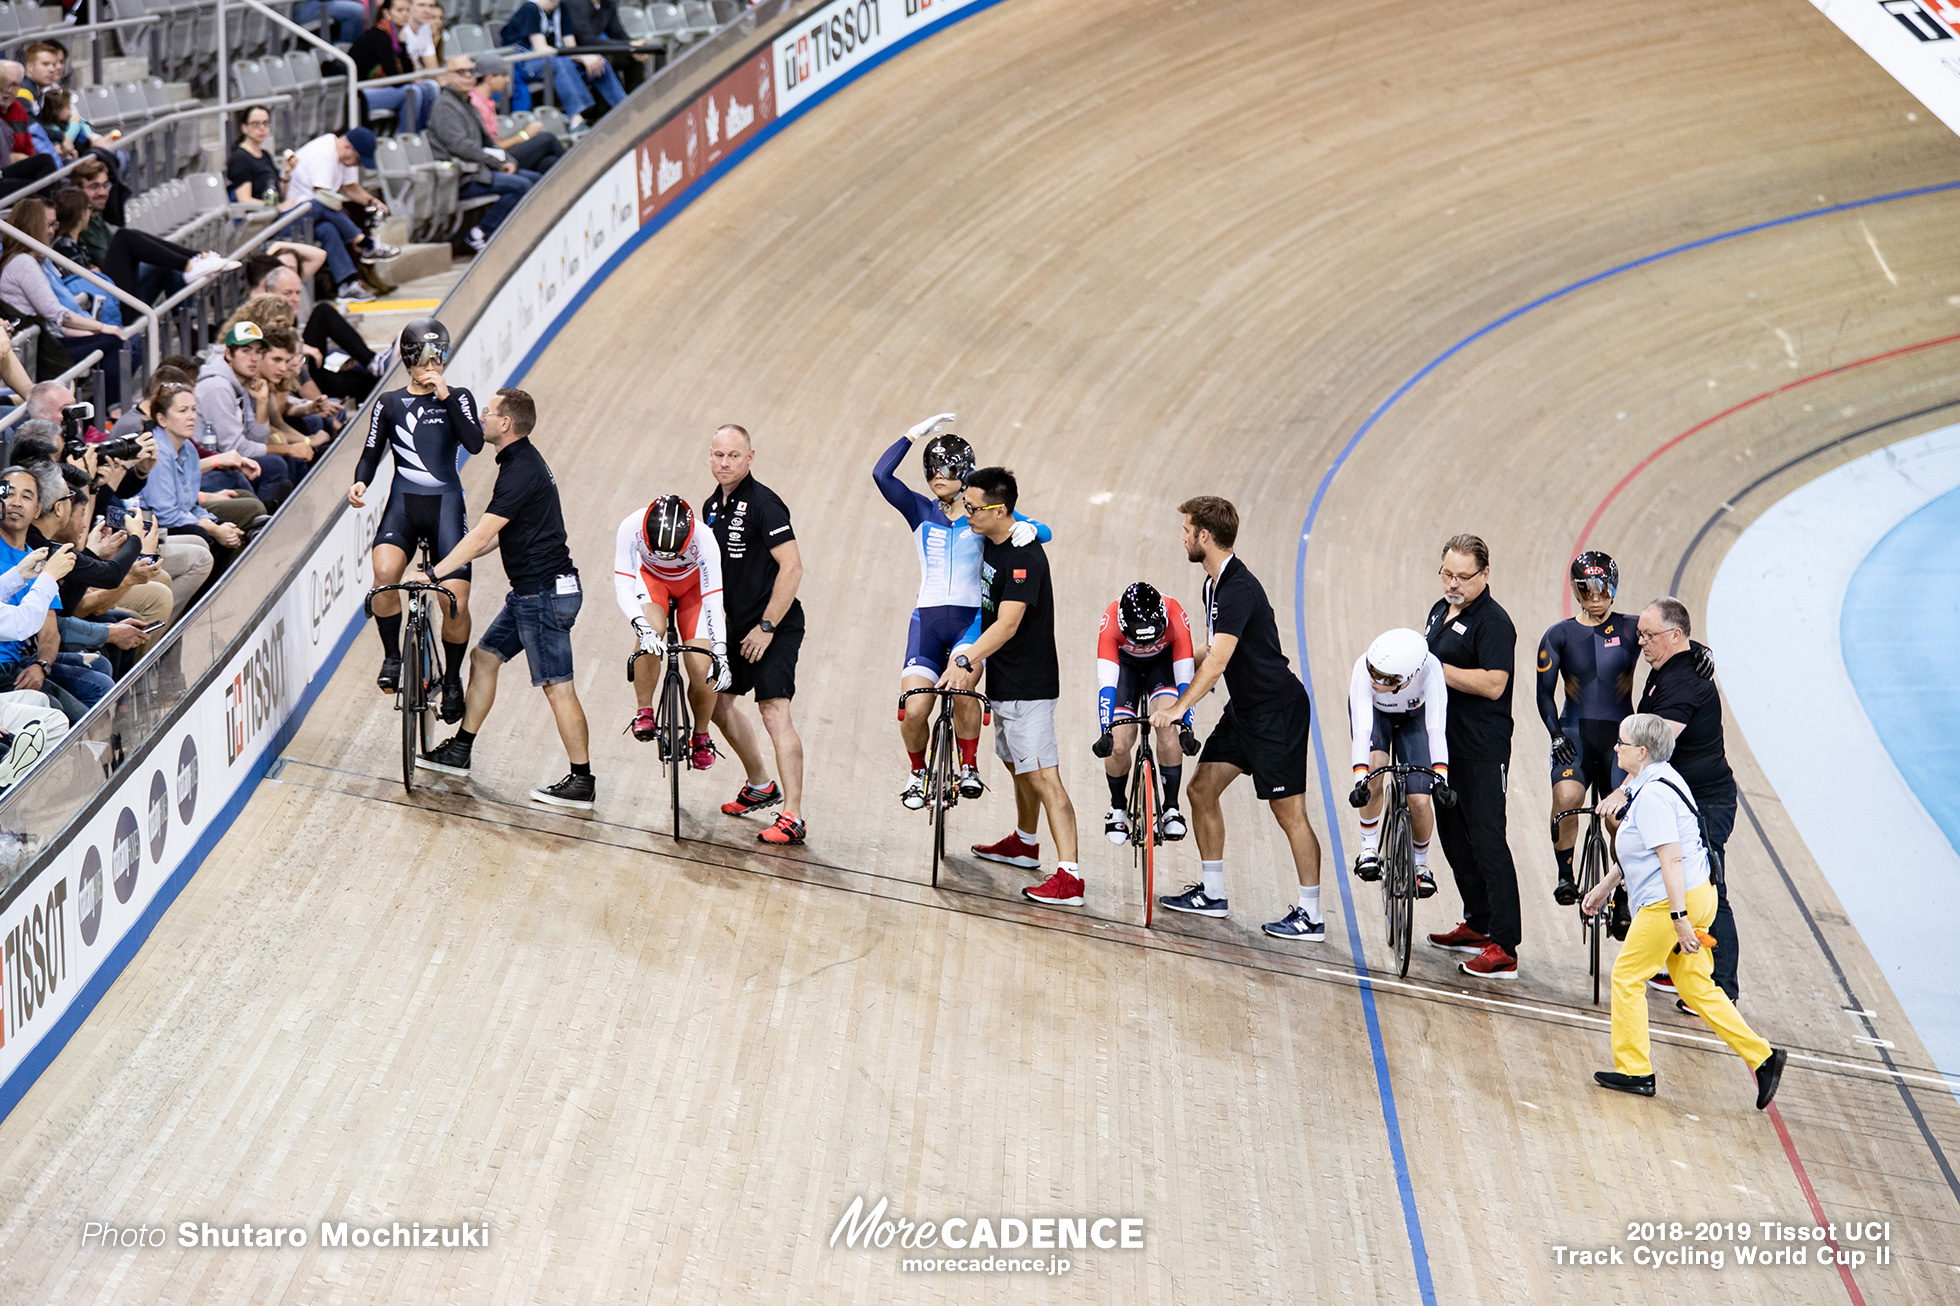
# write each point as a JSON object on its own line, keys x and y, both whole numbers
{"x": 673, "y": 726}
{"x": 942, "y": 763}
{"x": 418, "y": 695}
{"x": 1592, "y": 869}
{"x": 1144, "y": 805}
{"x": 1398, "y": 855}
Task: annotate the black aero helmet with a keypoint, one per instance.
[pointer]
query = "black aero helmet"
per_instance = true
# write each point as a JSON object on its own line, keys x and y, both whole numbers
{"x": 667, "y": 525}
{"x": 1140, "y": 614}
{"x": 424, "y": 340}
{"x": 949, "y": 455}
{"x": 1596, "y": 571}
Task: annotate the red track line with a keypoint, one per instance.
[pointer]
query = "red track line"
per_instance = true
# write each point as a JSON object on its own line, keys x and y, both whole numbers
{"x": 1614, "y": 493}
{"x": 1810, "y": 1195}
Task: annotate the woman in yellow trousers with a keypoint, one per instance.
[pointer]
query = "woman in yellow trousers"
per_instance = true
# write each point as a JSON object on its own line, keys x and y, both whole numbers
{"x": 1665, "y": 864}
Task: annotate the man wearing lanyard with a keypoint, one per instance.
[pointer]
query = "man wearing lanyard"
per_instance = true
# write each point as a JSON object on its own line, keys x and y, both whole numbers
{"x": 1477, "y": 644}
{"x": 760, "y": 570}
{"x": 525, "y": 521}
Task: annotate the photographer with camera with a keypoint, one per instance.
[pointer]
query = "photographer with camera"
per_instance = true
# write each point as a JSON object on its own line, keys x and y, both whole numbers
{"x": 30, "y": 722}
{"x": 27, "y": 659}
{"x": 117, "y": 468}
{"x": 113, "y": 599}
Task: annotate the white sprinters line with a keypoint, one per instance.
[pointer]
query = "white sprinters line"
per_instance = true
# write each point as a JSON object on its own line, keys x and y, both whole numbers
{"x": 1463, "y": 995}
{"x": 1873, "y": 242}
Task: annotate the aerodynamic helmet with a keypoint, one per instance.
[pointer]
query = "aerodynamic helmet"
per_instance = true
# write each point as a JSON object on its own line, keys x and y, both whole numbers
{"x": 424, "y": 340}
{"x": 1593, "y": 570}
{"x": 1396, "y": 656}
{"x": 1141, "y": 615}
{"x": 949, "y": 455}
{"x": 667, "y": 525}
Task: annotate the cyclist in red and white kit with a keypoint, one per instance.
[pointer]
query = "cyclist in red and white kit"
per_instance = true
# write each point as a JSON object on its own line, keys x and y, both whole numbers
{"x": 1143, "y": 652}
{"x": 661, "y": 556}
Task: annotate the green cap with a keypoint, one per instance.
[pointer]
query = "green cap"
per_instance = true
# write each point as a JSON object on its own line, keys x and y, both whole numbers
{"x": 244, "y": 333}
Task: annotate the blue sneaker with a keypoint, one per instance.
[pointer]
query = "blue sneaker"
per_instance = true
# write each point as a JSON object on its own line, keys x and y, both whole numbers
{"x": 1298, "y": 927}
{"x": 1193, "y": 900}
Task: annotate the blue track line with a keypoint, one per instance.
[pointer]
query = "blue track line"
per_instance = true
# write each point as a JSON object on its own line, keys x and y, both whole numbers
{"x": 1390, "y": 1115}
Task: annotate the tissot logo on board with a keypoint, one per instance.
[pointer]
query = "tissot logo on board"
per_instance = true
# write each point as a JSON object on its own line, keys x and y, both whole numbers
{"x": 255, "y": 692}
{"x": 34, "y": 959}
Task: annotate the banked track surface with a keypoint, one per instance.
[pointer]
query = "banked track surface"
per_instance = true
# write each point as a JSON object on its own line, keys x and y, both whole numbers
{"x": 1145, "y": 250}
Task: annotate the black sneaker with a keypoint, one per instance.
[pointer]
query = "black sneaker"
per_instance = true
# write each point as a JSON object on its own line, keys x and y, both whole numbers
{"x": 1297, "y": 926}
{"x": 452, "y": 701}
{"x": 390, "y": 679}
{"x": 1639, "y": 1085}
{"x": 1193, "y": 900}
{"x": 1567, "y": 892}
{"x": 573, "y": 791}
{"x": 1768, "y": 1076}
{"x": 1619, "y": 921}
{"x": 451, "y": 758}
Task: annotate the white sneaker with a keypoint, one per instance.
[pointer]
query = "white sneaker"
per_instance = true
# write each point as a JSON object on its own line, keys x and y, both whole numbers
{"x": 477, "y": 239}
{"x": 1116, "y": 826}
{"x": 210, "y": 265}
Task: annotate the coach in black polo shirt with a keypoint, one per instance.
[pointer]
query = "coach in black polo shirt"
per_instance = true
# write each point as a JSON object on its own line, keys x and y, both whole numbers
{"x": 1263, "y": 729}
{"x": 1681, "y": 693}
{"x": 524, "y": 521}
{"x": 760, "y": 570}
{"x": 1478, "y": 646}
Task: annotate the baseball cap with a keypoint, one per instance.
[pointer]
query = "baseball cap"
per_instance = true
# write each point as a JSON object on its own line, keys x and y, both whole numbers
{"x": 363, "y": 142}
{"x": 244, "y": 333}
{"x": 489, "y": 65}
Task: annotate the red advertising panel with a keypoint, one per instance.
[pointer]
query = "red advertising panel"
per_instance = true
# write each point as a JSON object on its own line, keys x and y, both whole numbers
{"x": 739, "y": 106}
{"x": 670, "y": 160}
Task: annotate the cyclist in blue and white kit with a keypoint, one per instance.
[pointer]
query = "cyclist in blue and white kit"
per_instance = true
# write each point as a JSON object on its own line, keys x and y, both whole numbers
{"x": 1397, "y": 695}
{"x": 949, "y": 591}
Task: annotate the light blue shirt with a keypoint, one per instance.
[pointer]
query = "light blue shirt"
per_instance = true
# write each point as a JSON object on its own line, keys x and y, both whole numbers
{"x": 1656, "y": 817}
{"x": 171, "y": 491}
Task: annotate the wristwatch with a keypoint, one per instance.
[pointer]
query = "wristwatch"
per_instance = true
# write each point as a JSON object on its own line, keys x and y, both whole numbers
{"x": 961, "y": 662}
{"x": 1677, "y": 916}
{"x": 766, "y": 626}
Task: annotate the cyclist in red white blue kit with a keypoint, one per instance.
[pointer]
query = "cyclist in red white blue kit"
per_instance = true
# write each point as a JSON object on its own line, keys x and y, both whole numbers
{"x": 948, "y": 601}
{"x": 1143, "y": 652}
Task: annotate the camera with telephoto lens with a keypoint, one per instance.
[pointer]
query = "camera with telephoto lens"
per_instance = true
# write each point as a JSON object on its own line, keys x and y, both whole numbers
{"x": 74, "y": 420}
{"x": 126, "y": 449}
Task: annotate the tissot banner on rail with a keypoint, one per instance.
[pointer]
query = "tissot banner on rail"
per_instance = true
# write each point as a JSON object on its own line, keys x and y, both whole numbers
{"x": 842, "y": 35}
{"x": 1917, "y": 41}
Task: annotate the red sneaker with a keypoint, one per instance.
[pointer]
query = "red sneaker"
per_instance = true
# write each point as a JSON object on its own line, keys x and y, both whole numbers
{"x": 1492, "y": 963}
{"x": 786, "y": 830}
{"x": 1460, "y": 939}
{"x": 704, "y": 752}
{"x": 643, "y": 725}
{"x": 1662, "y": 983}
{"x": 1059, "y": 890}
{"x": 1010, "y": 851}
{"x": 752, "y": 799}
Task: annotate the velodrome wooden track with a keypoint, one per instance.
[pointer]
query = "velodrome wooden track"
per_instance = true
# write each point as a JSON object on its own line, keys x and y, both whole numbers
{"x": 1145, "y": 249}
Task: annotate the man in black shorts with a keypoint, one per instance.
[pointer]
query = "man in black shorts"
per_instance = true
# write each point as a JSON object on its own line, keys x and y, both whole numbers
{"x": 423, "y": 426}
{"x": 526, "y": 522}
{"x": 760, "y": 570}
{"x": 1263, "y": 730}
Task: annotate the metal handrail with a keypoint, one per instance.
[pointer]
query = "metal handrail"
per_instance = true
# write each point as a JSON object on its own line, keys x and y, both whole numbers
{"x": 77, "y": 29}
{"x": 19, "y": 414}
{"x": 286, "y": 219}
{"x": 224, "y": 57}
{"x": 165, "y": 121}
{"x": 145, "y": 311}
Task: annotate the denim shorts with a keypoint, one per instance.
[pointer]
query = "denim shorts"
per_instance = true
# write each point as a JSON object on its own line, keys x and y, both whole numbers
{"x": 539, "y": 625}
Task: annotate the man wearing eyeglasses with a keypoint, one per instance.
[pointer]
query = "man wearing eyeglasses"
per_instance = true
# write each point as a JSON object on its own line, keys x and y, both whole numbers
{"x": 1680, "y": 691}
{"x": 1477, "y": 644}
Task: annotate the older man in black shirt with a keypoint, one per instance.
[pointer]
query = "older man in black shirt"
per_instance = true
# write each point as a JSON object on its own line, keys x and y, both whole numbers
{"x": 1477, "y": 644}
{"x": 1680, "y": 691}
{"x": 525, "y": 521}
{"x": 761, "y": 568}
{"x": 1263, "y": 730}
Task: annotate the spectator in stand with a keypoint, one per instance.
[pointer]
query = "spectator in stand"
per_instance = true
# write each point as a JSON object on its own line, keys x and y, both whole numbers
{"x": 103, "y": 561}
{"x": 172, "y": 367}
{"x": 298, "y": 421}
{"x": 456, "y": 133}
{"x": 23, "y": 165}
{"x": 325, "y": 327}
{"x": 423, "y": 36}
{"x": 334, "y": 163}
{"x": 382, "y": 52}
{"x": 251, "y": 173}
{"x": 40, "y": 437}
{"x": 346, "y": 15}
{"x": 30, "y": 662}
{"x": 35, "y": 724}
{"x": 59, "y": 129}
{"x": 184, "y": 560}
{"x": 580, "y": 80}
{"x": 173, "y": 491}
{"x": 134, "y": 257}
{"x": 228, "y": 420}
{"x": 533, "y": 149}
{"x": 46, "y": 64}
{"x": 596, "y": 22}
{"x": 12, "y": 371}
{"x": 28, "y": 286}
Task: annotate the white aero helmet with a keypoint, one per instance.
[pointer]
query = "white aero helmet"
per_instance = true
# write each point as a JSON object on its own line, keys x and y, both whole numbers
{"x": 1396, "y": 655}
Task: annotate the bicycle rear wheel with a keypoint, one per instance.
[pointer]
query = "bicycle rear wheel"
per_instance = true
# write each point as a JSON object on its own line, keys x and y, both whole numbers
{"x": 1592, "y": 869}
{"x": 1400, "y": 889}
{"x": 939, "y": 772}
{"x": 1143, "y": 828}
{"x": 408, "y": 699}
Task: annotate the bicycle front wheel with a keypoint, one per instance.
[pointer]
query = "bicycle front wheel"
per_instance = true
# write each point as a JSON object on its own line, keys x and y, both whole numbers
{"x": 1592, "y": 869}
{"x": 939, "y": 775}
{"x": 1401, "y": 892}
{"x": 677, "y": 741}
{"x": 1143, "y": 830}
{"x": 408, "y": 699}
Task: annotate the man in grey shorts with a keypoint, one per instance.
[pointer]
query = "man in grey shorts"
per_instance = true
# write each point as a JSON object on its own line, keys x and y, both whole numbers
{"x": 1014, "y": 639}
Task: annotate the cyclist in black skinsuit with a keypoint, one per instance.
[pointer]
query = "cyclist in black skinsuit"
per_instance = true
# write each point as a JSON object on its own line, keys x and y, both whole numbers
{"x": 1594, "y": 654}
{"x": 422, "y": 425}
